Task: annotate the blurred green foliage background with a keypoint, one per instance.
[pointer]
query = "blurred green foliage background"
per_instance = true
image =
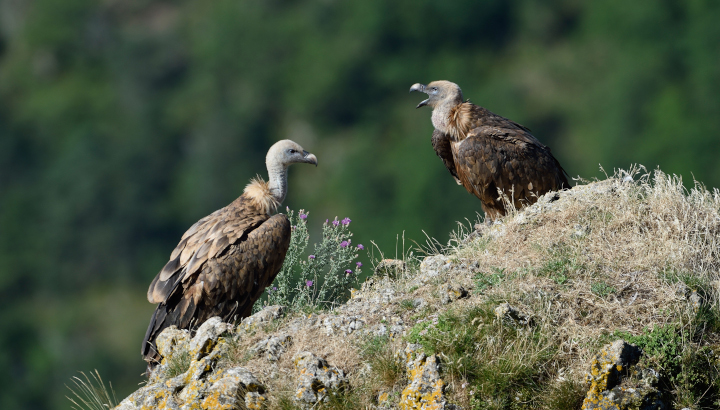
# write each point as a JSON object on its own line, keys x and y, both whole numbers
{"x": 122, "y": 122}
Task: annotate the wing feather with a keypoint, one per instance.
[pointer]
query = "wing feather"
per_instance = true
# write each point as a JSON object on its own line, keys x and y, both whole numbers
{"x": 207, "y": 238}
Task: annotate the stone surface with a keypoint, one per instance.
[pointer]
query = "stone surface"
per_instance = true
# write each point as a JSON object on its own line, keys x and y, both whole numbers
{"x": 450, "y": 293}
{"x": 425, "y": 388}
{"x": 206, "y": 337}
{"x": 202, "y": 385}
{"x": 616, "y": 383}
{"x": 317, "y": 379}
{"x": 509, "y": 314}
{"x": 266, "y": 315}
{"x": 273, "y": 346}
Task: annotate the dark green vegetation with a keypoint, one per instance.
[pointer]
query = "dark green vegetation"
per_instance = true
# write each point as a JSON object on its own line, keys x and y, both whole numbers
{"x": 122, "y": 123}
{"x": 497, "y": 365}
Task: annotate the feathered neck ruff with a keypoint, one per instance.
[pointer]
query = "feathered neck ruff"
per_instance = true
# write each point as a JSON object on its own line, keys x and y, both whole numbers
{"x": 259, "y": 194}
{"x": 460, "y": 120}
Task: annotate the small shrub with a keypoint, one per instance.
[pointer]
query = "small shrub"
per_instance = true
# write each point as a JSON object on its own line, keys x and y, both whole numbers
{"x": 322, "y": 279}
{"x": 602, "y": 289}
{"x": 91, "y": 394}
{"x": 387, "y": 368}
{"x": 501, "y": 364}
{"x": 559, "y": 266}
{"x": 178, "y": 363}
{"x": 690, "y": 373}
{"x": 566, "y": 395}
{"x": 484, "y": 280}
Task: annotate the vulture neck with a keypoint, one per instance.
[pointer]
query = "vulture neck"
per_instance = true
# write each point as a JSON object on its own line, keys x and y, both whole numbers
{"x": 452, "y": 118}
{"x": 277, "y": 174}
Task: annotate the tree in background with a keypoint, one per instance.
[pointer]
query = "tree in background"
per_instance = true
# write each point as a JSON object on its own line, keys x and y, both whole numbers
{"x": 122, "y": 122}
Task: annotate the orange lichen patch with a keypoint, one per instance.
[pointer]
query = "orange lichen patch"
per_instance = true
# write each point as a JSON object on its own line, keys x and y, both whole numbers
{"x": 425, "y": 390}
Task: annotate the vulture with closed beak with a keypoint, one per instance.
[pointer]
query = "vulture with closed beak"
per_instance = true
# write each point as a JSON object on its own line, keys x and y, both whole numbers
{"x": 487, "y": 153}
{"x": 225, "y": 260}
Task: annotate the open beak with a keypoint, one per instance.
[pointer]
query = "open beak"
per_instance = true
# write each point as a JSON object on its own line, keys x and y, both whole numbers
{"x": 421, "y": 88}
{"x": 309, "y": 158}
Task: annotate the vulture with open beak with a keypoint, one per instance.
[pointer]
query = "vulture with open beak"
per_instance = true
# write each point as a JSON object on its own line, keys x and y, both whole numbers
{"x": 489, "y": 154}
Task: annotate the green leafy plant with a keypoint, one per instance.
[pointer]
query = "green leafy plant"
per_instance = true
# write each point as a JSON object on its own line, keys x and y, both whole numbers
{"x": 91, "y": 393}
{"x": 178, "y": 363}
{"x": 602, "y": 289}
{"x": 322, "y": 279}
{"x": 484, "y": 280}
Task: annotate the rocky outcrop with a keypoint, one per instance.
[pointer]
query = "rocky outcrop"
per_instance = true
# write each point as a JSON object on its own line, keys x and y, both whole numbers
{"x": 317, "y": 379}
{"x": 199, "y": 386}
{"x": 616, "y": 383}
{"x": 425, "y": 390}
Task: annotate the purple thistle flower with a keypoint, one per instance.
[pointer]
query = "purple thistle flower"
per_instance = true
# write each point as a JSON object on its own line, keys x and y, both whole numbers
{"x": 348, "y": 271}
{"x": 344, "y": 244}
{"x": 360, "y": 246}
{"x": 274, "y": 288}
{"x": 309, "y": 283}
{"x": 311, "y": 257}
{"x": 346, "y": 221}
{"x": 327, "y": 220}
{"x": 359, "y": 264}
{"x": 303, "y": 216}
{"x": 335, "y": 222}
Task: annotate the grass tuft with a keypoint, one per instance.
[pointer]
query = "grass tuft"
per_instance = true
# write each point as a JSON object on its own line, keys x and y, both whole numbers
{"x": 91, "y": 393}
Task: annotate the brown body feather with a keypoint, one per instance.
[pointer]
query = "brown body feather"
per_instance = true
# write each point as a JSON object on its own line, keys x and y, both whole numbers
{"x": 490, "y": 152}
{"x": 221, "y": 265}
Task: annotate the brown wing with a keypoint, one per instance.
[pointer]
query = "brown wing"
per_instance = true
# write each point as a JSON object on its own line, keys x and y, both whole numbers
{"x": 441, "y": 145}
{"x": 206, "y": 239}
{"x": 509, "y": 159}
{"x": 227, "y": 285}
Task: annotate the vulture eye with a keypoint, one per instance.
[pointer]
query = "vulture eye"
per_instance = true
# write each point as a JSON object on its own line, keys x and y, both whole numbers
{"x": 291, "y": 151}
{"x": 434, "y": 88}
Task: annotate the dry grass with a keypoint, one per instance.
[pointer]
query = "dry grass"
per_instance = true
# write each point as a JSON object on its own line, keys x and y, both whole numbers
{"x": 619, "y": 255}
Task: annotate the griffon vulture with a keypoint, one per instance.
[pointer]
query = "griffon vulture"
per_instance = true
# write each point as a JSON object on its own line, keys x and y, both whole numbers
{"x": 226, "y": 259}
{"x": 485, "y": 152}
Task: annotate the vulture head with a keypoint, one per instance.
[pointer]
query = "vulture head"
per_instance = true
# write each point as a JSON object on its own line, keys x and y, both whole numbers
{"x": 286, "y": 152}
{"x": 439, "y": 93}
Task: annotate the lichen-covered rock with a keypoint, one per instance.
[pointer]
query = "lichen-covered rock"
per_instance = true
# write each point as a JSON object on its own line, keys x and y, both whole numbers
{"x": 611, "y": 384}
{"x": 425, "y": 390}
{"x": 264, "y": 316}
{"x": 226, "y": 387}
{"x": 317, "y": 379}
{"x": 170, "y": 339}
{"x": 432, "y": 266}
{"x": 206, "y": 337}
{"x": 507, "y": 313}
{"x": 344, "y": 324}
{"x": 273, "y": 346}
{"x": 202, "y": 386}
{"x": 450, "y": 293}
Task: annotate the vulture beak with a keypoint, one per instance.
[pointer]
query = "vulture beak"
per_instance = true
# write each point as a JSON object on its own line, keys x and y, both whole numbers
{"x": 421, "y": 88}
{"x": 310, "y": 158}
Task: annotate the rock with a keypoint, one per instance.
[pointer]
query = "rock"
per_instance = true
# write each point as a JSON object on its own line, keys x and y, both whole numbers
{"x": 434, "y": 265}
{"x": 201, "y": 387}
{"x": 343, "y": 324}
{"x": 611, "y": 388}
{"x": 264, "y": 316}
{"x": 231, "y": 384}
{"x": 317, "y": 379}
{"x": 170, "y": 339}
{"x": 273, "y": 346}
{"x": 425, "y": 390}
{"x": 450, "y": 293}
{"x": 206, "y": 337}
{"x": 509, "y": 314}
